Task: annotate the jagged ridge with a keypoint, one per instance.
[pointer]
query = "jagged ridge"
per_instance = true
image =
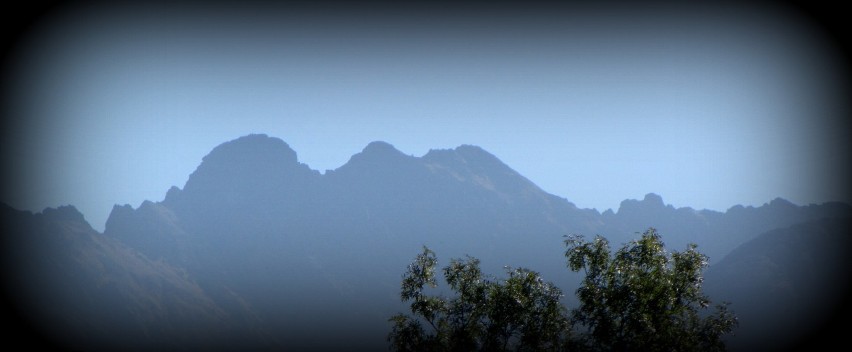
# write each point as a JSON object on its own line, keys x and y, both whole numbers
{"x": 320, "y": 255}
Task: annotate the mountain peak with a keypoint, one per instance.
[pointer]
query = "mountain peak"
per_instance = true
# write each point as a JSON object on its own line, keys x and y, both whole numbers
{"x": 779, "y": 202}
{"x": 380, "y": 148}
{"x": 466, "y": 154}
{"x": 654, "y": 200}
{"x": 473, "y": 163}
{"x": 473, "y": 150}
{"x": 255, "y": 163}
{"x": 472, "y": 153}
{"x": 253, "y": 147}
{"x": 64, "y": 213}
{"x": 375, "y": 153}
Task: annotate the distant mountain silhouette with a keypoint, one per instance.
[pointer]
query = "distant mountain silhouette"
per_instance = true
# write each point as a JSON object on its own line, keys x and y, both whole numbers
{"x": 320, "y": 255}
{"x": 253, "y": 219}
{"x": 716, "y": 233}
{"x": 78, "y": 289}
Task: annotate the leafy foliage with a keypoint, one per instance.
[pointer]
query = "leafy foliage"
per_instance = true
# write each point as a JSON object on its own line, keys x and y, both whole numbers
{"x": 521, "y": 312}
{"x": 638, "y": 298}
{"x": 642, "y": 298}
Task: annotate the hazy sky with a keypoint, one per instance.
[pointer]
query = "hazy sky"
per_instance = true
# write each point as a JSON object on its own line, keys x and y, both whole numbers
{"x": 708, "y": 107}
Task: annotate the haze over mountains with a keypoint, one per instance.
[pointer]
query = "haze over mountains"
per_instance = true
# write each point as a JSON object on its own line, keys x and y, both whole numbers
{"x": 257, "y": 250}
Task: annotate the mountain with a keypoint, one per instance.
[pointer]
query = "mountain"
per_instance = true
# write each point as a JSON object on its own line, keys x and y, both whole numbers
{"x": 330, "y": 249}
{"x": 312, "y": 261}
{"x": 716, "y": 233}
{"x": 68, "y": 287}
{"x": 789, "y": 286}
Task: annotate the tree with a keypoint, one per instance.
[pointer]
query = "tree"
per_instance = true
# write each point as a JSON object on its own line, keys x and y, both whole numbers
{"x": 639, "y": 298}
{"x": 642, "y": 298}
{"x": 521, "y": 312}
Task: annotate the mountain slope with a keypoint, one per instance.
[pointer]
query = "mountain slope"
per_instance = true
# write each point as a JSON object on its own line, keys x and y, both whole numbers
{"x": 75, "y": 288}
{"x": 789, "y": 286}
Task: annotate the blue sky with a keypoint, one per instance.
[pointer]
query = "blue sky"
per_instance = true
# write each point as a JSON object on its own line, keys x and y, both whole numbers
{"x": 708, "y": 107}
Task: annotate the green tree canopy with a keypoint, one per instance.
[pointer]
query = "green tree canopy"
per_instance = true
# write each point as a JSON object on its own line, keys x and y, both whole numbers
{"x": 643, "y": 298}
{"x": 638, "y": 298}
{"x": 521, "y": 312}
